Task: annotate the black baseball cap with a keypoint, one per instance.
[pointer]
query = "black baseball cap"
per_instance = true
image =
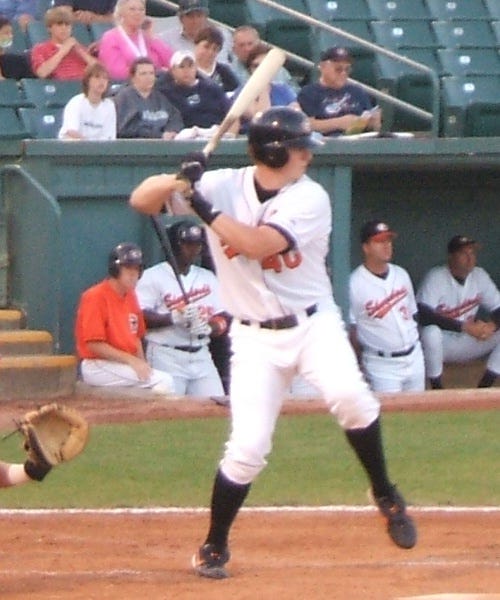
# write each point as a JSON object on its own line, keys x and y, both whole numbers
{"x": 458, "y": 242}
{"x": 187, "y": 6}
{"x": 376, "y": 230}
{"x": 336, "y": 54}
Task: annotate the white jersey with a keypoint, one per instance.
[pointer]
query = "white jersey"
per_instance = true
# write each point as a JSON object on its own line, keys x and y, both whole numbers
{"x": 283, "y": 284}
{"x": 158, "y": 291}
{"x": 92, "y": 122}
{"x": 442, "y": 292}
{"x": 382, "y": 309}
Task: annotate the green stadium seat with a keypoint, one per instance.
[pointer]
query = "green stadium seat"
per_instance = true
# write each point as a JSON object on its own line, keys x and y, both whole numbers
{"x": 41, "y": 123}
{"x": 493, "y": 7}
{"x": 406, "y": 83}
{"x": 50, "y": 93}
{"x": 404, "y": 34}
{"x": 339, "y": 10}
{"x": 464, "y": 34}
{"x": 389, "y": 10}
{"x": 495, "y": 25}
{"x": 469, "y": 61}
{"x": 442, "y": 10}
{"x": 232, "y": 12}
{"x": 292, "y": 35}
{"x": 261, "y": 14}
{"x": 10, "y": 125}
{"x": 363, "y": 66}
{"x": 11, "y": 94}
{"x": 19, "y": 41}
{"x": 471, "y": 106}
{"x": 98, "y": 29}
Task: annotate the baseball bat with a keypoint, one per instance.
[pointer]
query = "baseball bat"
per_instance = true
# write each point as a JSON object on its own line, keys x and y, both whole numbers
{"x": 257, "y": 82}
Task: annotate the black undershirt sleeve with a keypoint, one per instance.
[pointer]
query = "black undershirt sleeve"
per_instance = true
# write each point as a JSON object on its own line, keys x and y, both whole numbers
{"x": 427, "y": 316}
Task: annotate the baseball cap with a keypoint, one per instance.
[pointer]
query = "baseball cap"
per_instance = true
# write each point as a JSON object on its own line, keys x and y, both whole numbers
{"x": 336, "y": 54}
{"x": 190, "y": 234}
{"x": 187, "y": 6}
{"x": 179, "y": 56}
{"x": 458, "y": 242}
{"x": 376, "y": 230}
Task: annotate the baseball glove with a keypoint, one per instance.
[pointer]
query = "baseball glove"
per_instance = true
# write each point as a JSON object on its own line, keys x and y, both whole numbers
{"x": 52, "y": 434}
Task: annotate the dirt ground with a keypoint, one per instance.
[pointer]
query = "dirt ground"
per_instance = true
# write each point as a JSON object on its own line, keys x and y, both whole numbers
{"x": 344, "y": 555}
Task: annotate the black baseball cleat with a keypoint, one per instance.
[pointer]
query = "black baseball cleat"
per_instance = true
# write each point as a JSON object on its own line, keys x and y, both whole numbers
{"x": 209, "y": 562}
{"x": 400, "y": 525}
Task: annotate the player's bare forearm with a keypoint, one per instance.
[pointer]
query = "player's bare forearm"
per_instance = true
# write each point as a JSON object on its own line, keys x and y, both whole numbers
{"x": 151, "y": 195}
{"x": 255, "y": 243}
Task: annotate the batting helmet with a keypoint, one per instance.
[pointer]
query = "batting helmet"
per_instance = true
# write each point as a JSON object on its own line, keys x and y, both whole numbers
{"x": 273, "y": 132}
{"x": 125, "y": 254}
{"x": 184, "y": 232}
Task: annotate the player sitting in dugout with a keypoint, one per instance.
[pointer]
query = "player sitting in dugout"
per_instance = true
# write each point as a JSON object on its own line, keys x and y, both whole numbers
{"x": 334, "y": 105}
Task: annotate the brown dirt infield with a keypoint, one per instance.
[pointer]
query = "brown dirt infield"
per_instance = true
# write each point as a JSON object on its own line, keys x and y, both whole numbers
{"x": 300, "y": 555}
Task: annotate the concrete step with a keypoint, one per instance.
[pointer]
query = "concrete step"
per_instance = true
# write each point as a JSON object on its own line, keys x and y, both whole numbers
{"x": 11, "y": 319}
{"x": 37, "y": 376}
{"x": 25, "y": 341}
{"x": 465, "y": 375}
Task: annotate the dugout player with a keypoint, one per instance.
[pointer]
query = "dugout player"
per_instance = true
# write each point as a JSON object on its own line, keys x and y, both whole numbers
{"x": 383, "y": 315}
{"x": 110, "y": 326}
{"x": 268, "y": 227}
{"x": 174, "y": 345}
{"x": 449, "y": 299}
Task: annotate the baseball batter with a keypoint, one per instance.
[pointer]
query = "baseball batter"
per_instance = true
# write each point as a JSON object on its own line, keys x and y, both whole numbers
{"x": 109, "y": 328}
{"x": 174, "y": 343}
{"x": 268, "y": 227}
{"x": 449, "y": 300}
{"x": 383, "y": 315}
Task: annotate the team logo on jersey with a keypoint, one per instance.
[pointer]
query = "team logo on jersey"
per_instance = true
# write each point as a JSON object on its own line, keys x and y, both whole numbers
{"x": 455, "y": 312}
{"x": 173, "y": 301}
{"x": 290, "y": 259}
{"x": 378, "y": 310}
{"x": 133, "y": 323}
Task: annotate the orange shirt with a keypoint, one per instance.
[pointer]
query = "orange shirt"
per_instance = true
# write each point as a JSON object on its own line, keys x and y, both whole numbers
{"x": 105, "y": 316}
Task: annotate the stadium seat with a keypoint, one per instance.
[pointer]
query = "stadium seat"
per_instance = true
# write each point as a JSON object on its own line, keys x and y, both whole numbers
{"x": 442, "y": 10}
{"x": 363, "y": 67}
{"x": 98, "y": 29}
{"x": 404, "y": 34}
{"x": 11, "y": 94}
{"x": 471, "y": 106}
{"x": 469, "y": 61}
{"x": 50, "y": 93}
{"x": 407, "y": 83}
{"x": 261, "y": 14}
{"x": 340, "y": 10}
{"x": 292, "y": 35}
{"x": 389, "y": 10}
{"x": 10, "y": 125}
{"x": 464, "y": 34}
{"x": 493, "y": 7}
{"x": 495, "y": 25}
{"x": 19, "y": 41}
{"x": 41, "y": 123}
{"x": 232, "y": 12}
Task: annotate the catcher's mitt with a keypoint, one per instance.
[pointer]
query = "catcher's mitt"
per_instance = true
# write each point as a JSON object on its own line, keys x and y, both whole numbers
{"x": 52, "y": 434}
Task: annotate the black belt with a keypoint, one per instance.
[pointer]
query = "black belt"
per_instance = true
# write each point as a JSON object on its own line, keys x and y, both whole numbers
{"x": 186, "y": 348}
{"x": 282, "y": 322}
{"x": 395, "y": 354}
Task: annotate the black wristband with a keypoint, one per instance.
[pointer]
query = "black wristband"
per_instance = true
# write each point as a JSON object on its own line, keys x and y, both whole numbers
{"x": 36, "y": 471}
{"x": 203, "y": 208}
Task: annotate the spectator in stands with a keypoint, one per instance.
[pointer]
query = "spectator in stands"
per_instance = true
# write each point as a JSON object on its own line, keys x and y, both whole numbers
{"x": 334, "y": 105}
{"x": 13, "y": 65}
{"x": 89, "y": 11}
{"x": 142, "y": 111}
{"x": 193, "y": 17}
{"x": 200, "y": 102}
{"x": 178, "y": 336}
{"x": 61, "y": 56}
{"x": 131, "y": 39}
{"x": 208, "y": 44}
{"x": 459, "y": 308}
{"x": 90, "y": 115}
{"x": 20, "y": 11}
{"x": 275, "y": 94}
{"x": 110, "y": 326}
{"x": 245, "y": 38}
